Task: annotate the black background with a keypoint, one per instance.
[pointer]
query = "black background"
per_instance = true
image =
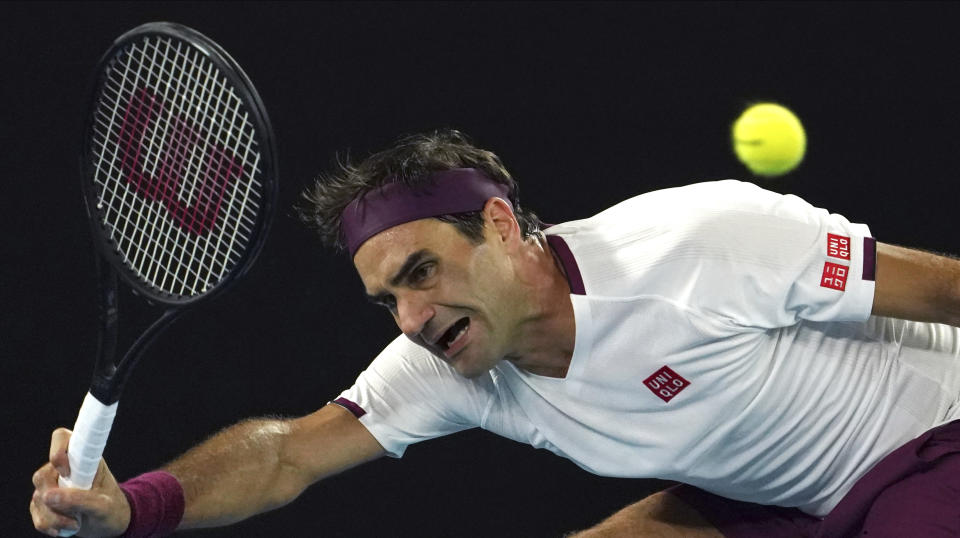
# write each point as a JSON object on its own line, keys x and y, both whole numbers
{"x": 587, "y": 104}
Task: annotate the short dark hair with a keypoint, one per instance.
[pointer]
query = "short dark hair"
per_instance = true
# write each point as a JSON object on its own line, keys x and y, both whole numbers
{"x": 410, "y": 160}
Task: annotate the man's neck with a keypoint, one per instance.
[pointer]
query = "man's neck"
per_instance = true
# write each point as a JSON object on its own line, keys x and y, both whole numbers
{"x": 546, "y": 338}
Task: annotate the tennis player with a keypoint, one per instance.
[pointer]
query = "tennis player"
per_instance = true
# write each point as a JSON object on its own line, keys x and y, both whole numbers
{"x": 797, "y": 377}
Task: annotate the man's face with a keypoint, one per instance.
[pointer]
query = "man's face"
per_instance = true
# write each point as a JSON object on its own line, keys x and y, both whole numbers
{"x": 446, "y": 293}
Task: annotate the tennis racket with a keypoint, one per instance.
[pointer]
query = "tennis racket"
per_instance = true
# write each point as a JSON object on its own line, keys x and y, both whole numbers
{"x": 180, "y": 183}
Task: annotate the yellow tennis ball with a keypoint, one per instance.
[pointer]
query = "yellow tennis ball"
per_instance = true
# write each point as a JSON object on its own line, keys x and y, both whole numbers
{"x": 769, "y": 139}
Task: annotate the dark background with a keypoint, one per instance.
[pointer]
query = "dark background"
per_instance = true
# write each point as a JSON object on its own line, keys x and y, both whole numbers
{"x": 587, "y": 104}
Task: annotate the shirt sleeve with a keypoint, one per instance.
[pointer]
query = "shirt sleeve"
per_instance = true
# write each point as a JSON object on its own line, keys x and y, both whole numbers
{"x": 743, "y": 255}
{"x": 770, "y": 260}
{"x": 407, "y": 395}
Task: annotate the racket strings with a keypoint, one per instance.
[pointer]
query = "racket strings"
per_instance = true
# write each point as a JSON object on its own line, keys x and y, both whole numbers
{"x": 177, "y": 164}
{"x": 171, "y": 149}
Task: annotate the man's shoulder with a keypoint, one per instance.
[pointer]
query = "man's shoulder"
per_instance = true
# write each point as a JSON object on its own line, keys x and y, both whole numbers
{"x": 674, "y": 203}
{"x": 675, "y": 209}
{"x": 652, "y": 238}
{"x": 686, "y": 199}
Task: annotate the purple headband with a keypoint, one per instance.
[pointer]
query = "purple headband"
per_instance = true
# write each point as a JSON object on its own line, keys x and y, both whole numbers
{"x": 452, "y": 191}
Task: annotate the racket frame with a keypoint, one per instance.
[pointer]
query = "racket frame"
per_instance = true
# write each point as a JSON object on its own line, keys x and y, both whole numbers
{"x": 98, "y": 410}
{"x": 109, "y": 376}
{"x": 265, "y": 140}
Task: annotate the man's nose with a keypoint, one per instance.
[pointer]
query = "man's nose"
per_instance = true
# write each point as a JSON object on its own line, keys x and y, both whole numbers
{"x": 413, "y": 313}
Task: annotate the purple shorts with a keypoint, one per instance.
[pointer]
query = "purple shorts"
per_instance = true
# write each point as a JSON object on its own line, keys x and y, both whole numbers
{"x": 914, "y": 491}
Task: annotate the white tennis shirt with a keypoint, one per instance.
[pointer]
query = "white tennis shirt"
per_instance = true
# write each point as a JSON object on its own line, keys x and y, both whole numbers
{"x": 723, "y": 339}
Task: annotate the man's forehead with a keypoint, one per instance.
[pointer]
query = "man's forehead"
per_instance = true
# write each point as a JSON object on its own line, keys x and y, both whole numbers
{"x": 397, "y": 238}
{"x": 387, "y": 251}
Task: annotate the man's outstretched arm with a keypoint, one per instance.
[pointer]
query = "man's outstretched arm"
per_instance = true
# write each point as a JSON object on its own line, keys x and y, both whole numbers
{"x": 916, "y": 285}
{"x": 249, "y": 468}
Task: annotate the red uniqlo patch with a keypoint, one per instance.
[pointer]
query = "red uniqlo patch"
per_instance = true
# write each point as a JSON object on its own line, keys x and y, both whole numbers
{"x": 838, "y": 246}
{"x": 834, "y": 276}
{"x": 666, "y": 383}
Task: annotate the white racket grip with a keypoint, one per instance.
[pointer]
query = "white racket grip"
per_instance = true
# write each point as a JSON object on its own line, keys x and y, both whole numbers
{"x": 88, "y": 441}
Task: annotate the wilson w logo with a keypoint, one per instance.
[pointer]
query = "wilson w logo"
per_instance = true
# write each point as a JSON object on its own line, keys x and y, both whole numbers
{"x": 180, "y": 154}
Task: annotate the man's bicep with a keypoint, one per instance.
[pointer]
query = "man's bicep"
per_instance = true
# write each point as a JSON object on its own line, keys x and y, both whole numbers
{"x": 916, "y": 285}
{"x": 326, "y": 442}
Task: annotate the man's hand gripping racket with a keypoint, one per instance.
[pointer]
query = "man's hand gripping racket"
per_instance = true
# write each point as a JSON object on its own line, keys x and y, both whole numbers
{"x": 179, "y": 177}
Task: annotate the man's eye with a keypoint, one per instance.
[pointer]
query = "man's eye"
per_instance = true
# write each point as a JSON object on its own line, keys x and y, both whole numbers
{"x": 421, "y": 273}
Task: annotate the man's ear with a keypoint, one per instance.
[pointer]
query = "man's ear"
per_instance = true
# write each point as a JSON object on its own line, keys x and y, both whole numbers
{"x": 498, "y": 215}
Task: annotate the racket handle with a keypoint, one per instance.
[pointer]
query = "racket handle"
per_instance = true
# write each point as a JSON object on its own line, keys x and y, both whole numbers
{"x": 88, "y": 441}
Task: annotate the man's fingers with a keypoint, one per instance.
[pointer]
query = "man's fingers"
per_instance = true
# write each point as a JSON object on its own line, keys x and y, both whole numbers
{"x": 66, "y": 500}
{"x": 58, "y": 451}
{"x": 49, "y": 521}
{"x": 45, "y": 477}
{"x": 38, "y": 478}
{"x": 74, "y": 501}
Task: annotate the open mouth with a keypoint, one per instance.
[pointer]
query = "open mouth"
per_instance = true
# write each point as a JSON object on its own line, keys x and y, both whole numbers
{"x": 457, "y": 330}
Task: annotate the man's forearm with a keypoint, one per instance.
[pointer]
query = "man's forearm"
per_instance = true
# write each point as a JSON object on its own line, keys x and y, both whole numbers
{"x": 237, "y": 473}
{"x": 916, "y": 285}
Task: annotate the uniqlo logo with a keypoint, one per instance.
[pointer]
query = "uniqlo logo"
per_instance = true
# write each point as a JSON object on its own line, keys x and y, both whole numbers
{"x": 666, "y": 383}
{"x": 834, "y": 276}
{"x": 838, "y": 246}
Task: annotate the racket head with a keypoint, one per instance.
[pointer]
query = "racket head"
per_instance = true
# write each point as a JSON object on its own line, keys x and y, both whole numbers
{"x": 179, "y": 166}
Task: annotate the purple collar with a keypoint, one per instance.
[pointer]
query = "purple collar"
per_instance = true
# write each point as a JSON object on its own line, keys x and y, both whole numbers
{"x": 569, "y": 263}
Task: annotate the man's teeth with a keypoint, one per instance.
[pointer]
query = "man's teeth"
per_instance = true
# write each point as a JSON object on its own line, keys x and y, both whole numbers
{"x": 451, "y": 336}
{"x": 460, "y": 333}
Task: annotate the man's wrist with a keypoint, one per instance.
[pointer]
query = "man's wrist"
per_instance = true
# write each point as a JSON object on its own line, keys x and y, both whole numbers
{"x": 156, "y": 504}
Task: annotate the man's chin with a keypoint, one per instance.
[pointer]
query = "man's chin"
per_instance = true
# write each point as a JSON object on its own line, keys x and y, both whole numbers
{"x": 467, "y": 369}
{"x": 460, "y": 362}
{"x": 469, "y": 374}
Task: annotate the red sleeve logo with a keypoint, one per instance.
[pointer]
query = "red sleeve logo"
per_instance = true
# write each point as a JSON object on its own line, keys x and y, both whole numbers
{"x": 834, "y": 276}
{"x": 838, "y": 246}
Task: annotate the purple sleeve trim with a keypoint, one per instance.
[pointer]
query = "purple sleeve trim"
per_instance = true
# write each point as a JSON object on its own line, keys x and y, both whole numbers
{"x": 869, "y": 258}
{"x": 156, "y": 504}
{"x": 569, "y": 263}
{"x": 350, "y": 406}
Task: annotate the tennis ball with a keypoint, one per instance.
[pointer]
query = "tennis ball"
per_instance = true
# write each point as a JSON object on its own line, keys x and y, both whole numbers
{"x": 769, "y": 139}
